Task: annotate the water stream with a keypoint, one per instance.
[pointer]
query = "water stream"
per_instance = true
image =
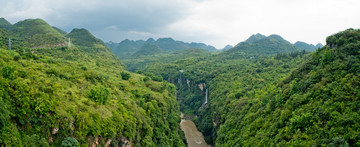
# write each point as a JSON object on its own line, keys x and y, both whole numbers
{"x": 193, "y": 137}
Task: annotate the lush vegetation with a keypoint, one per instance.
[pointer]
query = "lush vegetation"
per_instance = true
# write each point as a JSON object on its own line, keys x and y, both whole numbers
{"x": 262, "y": 92}
{"x": 36, "y": 33}
{"x": 225, "y": 80}
{"x": 79, "y": 96}
{"x": 291, "y": 98}
{"x": 83, "y": 37}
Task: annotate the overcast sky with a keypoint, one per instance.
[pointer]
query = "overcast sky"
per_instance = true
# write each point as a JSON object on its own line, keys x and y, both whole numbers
{"x": 214, "y": 22}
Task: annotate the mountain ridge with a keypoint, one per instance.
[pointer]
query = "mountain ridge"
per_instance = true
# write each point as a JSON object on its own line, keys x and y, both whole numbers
{"x": 259, "y": 44}
{"x": 5, "y": 24}
{"x": 128, "y": 47}
{"x": 307, "y": 47}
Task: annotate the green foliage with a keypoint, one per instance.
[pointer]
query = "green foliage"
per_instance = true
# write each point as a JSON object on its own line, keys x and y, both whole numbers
{"x": 8, "y": 72}
{"x": 99, "y": 94}
{"x": 35, "y": 141}
{"x": 48, "y": 94}
{"x": 69, "y": 142}
{"x": 290, "y": 99}
{"x": 10, "y": 135}
{"x": 125, "y": 75}
{"x": 37, "y": 33}
{"x": 83, "y": 37}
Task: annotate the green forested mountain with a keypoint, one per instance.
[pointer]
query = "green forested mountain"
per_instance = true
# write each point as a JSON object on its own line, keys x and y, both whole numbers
{"x": 83, "y": 37}
{"x": 287, "y": 99}
{"x": 147, "y": 49}
{"x": 239, "y": 76}
{"x": 261, "y": 45}
{"x": 255, "y": 45}
{"x": 37, "y": 33}
{"x": 4, "y": 24}
{"x": 255, "y": 37}
{"x": 127, "y": 48}
{"x": 264, "y": 91}
{"x": 307, "y": 47}
{"x": 79, "y": 95}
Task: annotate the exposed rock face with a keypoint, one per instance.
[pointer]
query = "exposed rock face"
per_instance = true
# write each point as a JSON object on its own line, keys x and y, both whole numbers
{"x": 55, "y": 130}
{"x": 126, "y": 142}
{"x": 96, "y": 142}
{"x": 108, "y": 143}
{"x": 188, "y": 83}
{"x": 202, "y": 86}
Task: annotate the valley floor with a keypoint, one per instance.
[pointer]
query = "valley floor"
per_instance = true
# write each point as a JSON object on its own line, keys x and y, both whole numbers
{"x": 193, "y": 137}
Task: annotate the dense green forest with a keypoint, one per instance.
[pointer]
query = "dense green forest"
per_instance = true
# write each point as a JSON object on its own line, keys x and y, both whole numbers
{"x": 266, "y": 92}
{"x": 52, "y": 94}
{"x": 70, "y": 89}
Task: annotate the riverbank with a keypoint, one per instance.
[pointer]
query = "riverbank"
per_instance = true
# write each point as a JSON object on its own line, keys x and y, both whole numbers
{"x": 193, "y": 136}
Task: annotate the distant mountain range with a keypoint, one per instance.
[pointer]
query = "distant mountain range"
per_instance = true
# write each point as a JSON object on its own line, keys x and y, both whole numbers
{"x": 128, "y": 48}
{"x": 37, "y": 33}
{"x": 259, "y": 44}
{"x": 308, "y": 47}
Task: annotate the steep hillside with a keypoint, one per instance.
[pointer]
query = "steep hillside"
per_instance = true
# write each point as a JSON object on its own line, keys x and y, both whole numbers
{"x": 224, "y": 79}
{"x": 5, "y": 24}
{"x": 83, "y": 37}
{"x": 81, "y": 96}
{"x": 317, "y": 105}
{"x": 289, "y": 99}
{"x": 37, "y": 33}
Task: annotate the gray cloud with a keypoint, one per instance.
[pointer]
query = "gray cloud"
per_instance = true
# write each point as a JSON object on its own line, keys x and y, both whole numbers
{"x": 98, "y": 14}
{"x": 215, "y": 22}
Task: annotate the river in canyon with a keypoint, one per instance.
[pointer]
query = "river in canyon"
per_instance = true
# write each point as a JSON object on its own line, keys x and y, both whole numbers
{"x": 193, "y": 136}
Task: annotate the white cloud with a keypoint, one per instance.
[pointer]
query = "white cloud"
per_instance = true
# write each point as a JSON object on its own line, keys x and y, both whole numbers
{"x": 215, "y": 22}
{"x": 233, "y": 21}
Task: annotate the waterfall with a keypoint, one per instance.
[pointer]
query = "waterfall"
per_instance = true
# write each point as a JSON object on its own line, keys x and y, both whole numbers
{"x": 206, "y": 96}
{"x": 180, "y": 80}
